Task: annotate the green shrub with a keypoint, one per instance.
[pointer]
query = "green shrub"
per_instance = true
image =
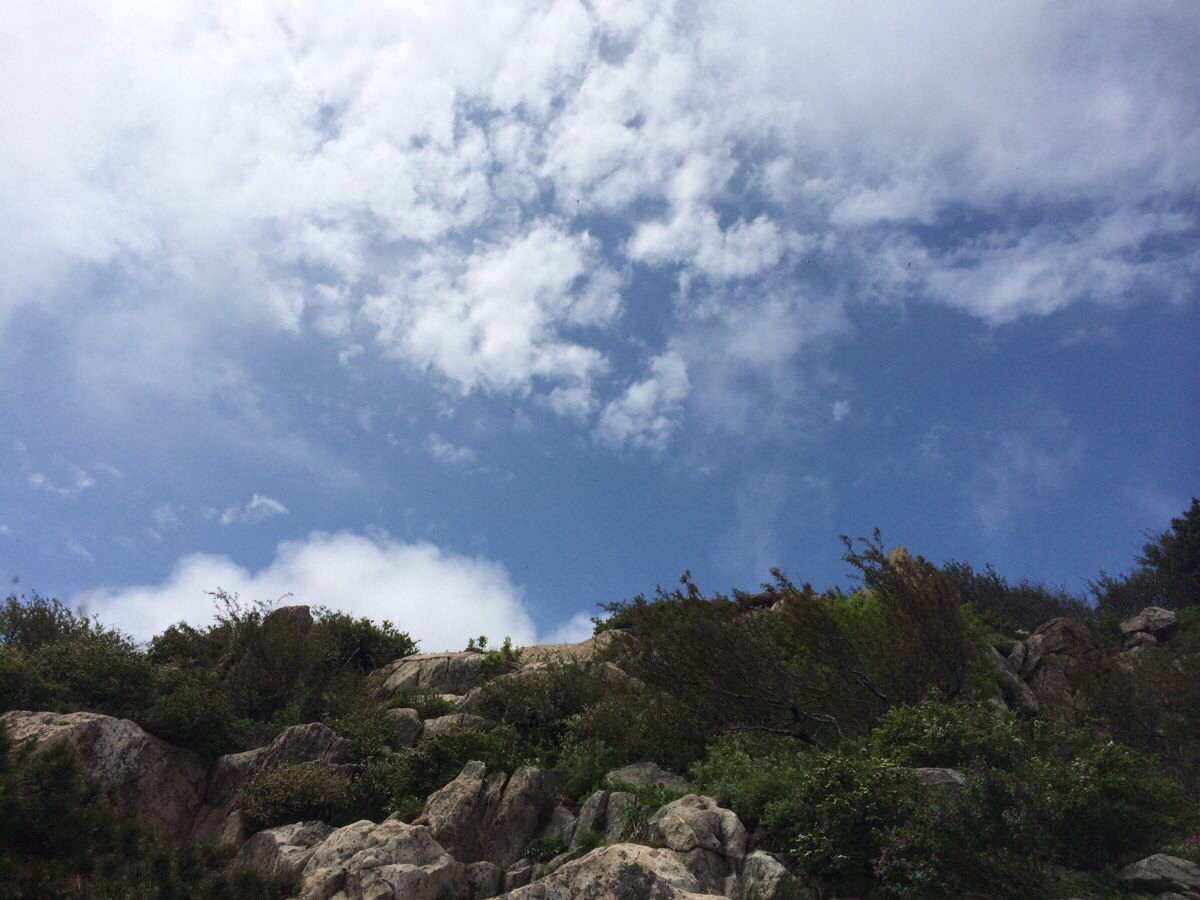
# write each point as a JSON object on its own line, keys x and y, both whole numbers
{"x": 637, "y": 725}
{"x": 360, "y": 645}
{"x": 546, "y": 849}
{"x": 540, "y": 704}
{"x": 747, "y": 772}
{"x": 948, "y": 735}
{"x": 836, "y": 808}
{"x": 982, "y": 840}
{"x": 191, "y": 710}
{"x": 436, "y": 760}
{"x": 295, "y": 792}
{"x": 1102, "y": 802}
{"x": 427, "y": 703}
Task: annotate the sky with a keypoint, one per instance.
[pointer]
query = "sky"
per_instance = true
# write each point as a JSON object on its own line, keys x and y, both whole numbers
{"x": 476, "y": 315}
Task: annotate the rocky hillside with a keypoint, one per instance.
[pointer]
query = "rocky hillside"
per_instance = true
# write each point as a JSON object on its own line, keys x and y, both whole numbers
{"x": 914, "y": 738}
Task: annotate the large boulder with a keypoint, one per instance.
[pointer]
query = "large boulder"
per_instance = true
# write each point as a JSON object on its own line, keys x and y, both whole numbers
{"x": 1153, "y": 620}
{"x": 1046, "y": 661}
{"x": 163, "y": 785}
{"x": 711, "y": 841}
{"x": 647, "y": 774}
{"x": 487, "y": 816}
{"x": 407, "y": 725}
{"x": 765, "y": 878}
{"x": 365, "y": 861}
{"x": 220, "y": 820}
{"x": 694, "y": 821}
{"x": 282, "y": 851}
{"x": 1160, "y": 873}
{"x": 562, "y": 654}
{"x": 439, "y": 673}
{"x": 619, "y": 872}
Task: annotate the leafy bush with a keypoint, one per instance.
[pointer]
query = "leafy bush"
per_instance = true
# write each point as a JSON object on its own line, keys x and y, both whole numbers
{"x": 948, "y": 735}
{"x": 427, "y": 703}
{"x": 540, "y": 704}
{"x": 295, "y": 792}
{"x": 747, "y": 772}
{"x": 837, "y": 806}
{"x": 360, "y": 645}
{"x": 982, "y": 840}
{"x": 1174, "y": 558}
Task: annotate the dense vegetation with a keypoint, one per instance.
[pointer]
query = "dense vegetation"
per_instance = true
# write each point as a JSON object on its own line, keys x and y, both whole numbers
{"x": 802, "y": 710}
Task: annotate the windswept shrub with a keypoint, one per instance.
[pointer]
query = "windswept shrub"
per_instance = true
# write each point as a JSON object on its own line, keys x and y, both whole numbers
{"x": 1007, "y": 606}
{"x": 295, "y": 792}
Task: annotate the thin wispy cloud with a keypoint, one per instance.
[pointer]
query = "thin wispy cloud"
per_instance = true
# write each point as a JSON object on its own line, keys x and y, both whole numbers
{"x": 257, "y": 509}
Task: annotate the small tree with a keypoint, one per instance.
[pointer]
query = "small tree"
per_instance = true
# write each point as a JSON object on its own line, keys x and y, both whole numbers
{"x": 1174, "y": 557}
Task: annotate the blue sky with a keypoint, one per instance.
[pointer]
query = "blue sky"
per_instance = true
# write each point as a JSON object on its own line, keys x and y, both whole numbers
{"x": 476, "y": 315}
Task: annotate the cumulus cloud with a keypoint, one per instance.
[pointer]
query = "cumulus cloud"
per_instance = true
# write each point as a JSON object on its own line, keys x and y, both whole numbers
{"x": 257, "y": 509}
{"x": 840, "y": 409}
{"x": 648, "y": 412}
{"x": 466, "y": 186}
{"x": 440, "y": 598}
{"x": 577, "y": 628}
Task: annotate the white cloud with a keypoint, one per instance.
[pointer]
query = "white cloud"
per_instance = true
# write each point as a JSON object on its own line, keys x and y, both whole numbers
{"x": 646, "y": 415}
{"x": 577, "y": 628}
{"x": 440, "y": 598}
{"x": 494, "y": 320}
{"x": 1023, "y": 466}
{"x": 79, "y": 550}
{"x": 164, "y": 515}
{"x": 259, "y": 507}
{"x": 79, "y": 482}
{"x": 5, "y": 531}
{"x": 468, "y": 183}
{"x": 840, "y": 409}
{"x": 445, "y": 452}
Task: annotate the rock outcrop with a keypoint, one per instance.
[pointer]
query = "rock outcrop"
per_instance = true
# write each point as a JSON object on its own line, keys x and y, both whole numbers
{"x": 220, "y": 820}
{"x": 1046, "y": 659}
{"x": 161, "y": 784}
{"x": 647, "y": 774}
{"x": 710, "y": 840}
{"x": 1152, "y": 622}
{"x": 439, "y": 673}
{"x": 1160, "y": 873}
{"x": 282, "y": 851}
{"x": 766, "y": 878}
{"x": 487, "y": 816}
{"x": 619, "y": 872}
{"x": 365, "y": 861}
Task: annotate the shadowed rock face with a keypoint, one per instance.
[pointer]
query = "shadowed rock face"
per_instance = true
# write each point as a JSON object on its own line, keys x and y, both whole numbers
{"x": 163, "y": 785}
{"x": 481, "y": 816}
{"x": 175, "y": 792}
{"x": 220, "y": 819}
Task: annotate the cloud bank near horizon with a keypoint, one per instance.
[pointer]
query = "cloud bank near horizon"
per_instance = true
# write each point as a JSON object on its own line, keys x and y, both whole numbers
{"x": 440, "y": 598}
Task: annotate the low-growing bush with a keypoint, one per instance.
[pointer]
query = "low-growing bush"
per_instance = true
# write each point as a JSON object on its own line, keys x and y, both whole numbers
{"x": 427, "y": 703}
{"x": 295, "y": 792}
